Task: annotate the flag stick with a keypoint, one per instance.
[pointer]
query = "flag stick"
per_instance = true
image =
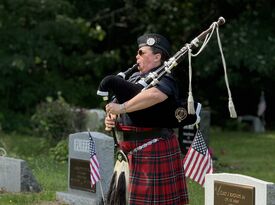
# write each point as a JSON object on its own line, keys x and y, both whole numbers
{"x": 102, "y": 192}
{"x": 99, "y": 179}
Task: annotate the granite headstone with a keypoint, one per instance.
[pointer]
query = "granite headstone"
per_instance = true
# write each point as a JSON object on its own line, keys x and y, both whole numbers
{"x": 237, "y": 189}
{"x": 187, "y": 133}
{"x": 80, "y": 191}
{"x": 16, "y": 176}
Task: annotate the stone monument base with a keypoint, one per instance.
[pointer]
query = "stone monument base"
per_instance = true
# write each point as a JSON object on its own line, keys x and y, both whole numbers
{"x": 79, "y": 199}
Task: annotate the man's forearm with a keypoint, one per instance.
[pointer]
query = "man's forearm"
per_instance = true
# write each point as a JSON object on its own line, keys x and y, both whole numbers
{"x": 145, "y": 99}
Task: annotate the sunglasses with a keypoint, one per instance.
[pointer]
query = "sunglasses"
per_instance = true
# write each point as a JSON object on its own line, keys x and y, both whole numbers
{"x": 140, "y": 52}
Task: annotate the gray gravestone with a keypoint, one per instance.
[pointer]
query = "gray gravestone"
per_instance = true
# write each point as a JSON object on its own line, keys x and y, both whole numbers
{"x": 80, "y": 191}
{"x": 187, "y": 133}
{"x": 236, "y": 189}
{"x": 92, "y": 119}
{"x": 256, "y": 124}
{"x": 205, "y": 124}
{"x": 15, "y": 176}
{"x": 95, "y": 118}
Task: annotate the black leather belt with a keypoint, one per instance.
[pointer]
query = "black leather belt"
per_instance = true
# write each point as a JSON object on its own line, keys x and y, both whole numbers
{"x": 132, "y": 136}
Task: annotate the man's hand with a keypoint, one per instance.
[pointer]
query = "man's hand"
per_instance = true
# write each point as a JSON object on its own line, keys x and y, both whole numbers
{"x": 115, "y": 108}
{"x": 110, "y": 121}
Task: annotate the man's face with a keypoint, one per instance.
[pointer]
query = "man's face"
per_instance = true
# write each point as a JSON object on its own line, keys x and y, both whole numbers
{"x": 147, "y": 59}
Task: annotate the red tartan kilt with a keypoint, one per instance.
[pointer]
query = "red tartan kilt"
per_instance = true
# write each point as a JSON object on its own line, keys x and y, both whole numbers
{"x": 156, "y": 173}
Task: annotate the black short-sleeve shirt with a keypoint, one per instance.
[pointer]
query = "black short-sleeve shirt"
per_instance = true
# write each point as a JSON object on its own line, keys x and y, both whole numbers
{"x": 154, "y": 116}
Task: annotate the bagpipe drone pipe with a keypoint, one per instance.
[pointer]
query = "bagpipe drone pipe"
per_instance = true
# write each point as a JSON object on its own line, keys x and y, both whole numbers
{"x": 173, "y": 114}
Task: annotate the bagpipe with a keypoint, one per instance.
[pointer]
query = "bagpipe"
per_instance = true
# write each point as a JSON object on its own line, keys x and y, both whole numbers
{"x": 165, "y": 114}
{"x": 173, "y": 114}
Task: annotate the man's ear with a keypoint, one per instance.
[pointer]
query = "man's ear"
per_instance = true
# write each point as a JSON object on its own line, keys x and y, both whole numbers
{"x": 157, "y": 57}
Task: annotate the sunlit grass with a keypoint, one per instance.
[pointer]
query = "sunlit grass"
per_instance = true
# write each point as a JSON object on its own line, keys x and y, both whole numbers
{"x": 242, "y": 153}
{"x": 245, "y": 153}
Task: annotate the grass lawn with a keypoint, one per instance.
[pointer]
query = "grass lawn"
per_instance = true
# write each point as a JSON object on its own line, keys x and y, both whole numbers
{"x": 242, "y": 153}
{"x": 236, "y": 152}
{"x": 51, "y": 175}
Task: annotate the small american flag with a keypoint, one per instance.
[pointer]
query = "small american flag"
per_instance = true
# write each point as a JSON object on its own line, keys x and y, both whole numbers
{"x": 198, "y": 161}
{"x": 94, "y": 165}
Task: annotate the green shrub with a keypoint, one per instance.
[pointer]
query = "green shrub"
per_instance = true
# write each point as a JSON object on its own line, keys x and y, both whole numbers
{"x": 60, "y": 152}
{"x": 53, "y": 119}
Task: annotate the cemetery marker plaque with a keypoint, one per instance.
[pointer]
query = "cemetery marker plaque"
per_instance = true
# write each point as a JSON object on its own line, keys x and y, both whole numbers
{"x": 80, "y": 175}
{"x": 233, "y": 194}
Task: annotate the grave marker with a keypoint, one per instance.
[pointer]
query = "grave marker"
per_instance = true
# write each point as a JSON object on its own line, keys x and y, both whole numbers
{"x": 16, "y": 176}
{"x": 79, "y": 186}
{"x": 237, "y": 189}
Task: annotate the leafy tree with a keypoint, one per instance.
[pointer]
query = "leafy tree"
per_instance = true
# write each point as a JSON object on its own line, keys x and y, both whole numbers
{"x": 46, "y": 48}
{"x": 247, "y": 38}
{"x": 69, "y": 46}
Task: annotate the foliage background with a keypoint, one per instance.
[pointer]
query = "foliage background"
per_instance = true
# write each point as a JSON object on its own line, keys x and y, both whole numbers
{"x": 68, "y": 46}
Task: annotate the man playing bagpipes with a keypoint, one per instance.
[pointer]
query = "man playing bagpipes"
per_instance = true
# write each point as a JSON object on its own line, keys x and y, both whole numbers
{"x": 146, "y": 108}
{"x": 150, "y": 150}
